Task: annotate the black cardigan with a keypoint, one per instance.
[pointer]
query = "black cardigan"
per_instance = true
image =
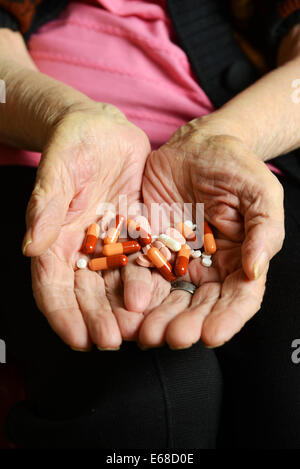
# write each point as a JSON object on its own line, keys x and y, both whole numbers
{"x": 205, "y": 32}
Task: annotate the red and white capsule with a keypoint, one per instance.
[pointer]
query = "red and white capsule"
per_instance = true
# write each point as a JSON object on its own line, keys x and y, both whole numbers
{"x": 105, "y": 263}
{"x": 92, "y": 235}
{"x": 115, "y": 231}
{"x": 161, "y": 263}
{"x": 127, "y": 247}
{"x": 208, "y": 239}
{"x": 182, "y": 261}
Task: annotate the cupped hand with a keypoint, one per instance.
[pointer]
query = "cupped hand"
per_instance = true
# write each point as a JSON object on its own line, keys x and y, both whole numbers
{"x": 243, "y": 202}
{"x": 93, "y": 154}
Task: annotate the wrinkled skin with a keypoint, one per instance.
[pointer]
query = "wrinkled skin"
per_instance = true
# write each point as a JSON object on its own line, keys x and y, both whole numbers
{"x": 96, "y": 155}
{"x": 243, "y": 201}
{"x": 92, "y": 156}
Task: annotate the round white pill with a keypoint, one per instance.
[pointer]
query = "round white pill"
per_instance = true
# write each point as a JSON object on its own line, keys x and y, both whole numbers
{"x": 190, "y": 224}
{"x": 206, "y": 255}
{"x": 206, "y": 261}
{"x": 81, "y": 263}
{"x": 195, "y": 254}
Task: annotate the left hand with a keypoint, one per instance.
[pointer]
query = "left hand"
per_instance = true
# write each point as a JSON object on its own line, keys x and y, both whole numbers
{"x": 92, "y": 155}
{"x": 244, "y": 204}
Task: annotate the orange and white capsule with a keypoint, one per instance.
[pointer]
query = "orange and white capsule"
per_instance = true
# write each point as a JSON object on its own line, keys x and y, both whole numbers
{"x": 114, "y": 232}
{"x": 92, "y": 235}
{"x": 127, "y": 247}
{"x": 209, "y": 240}
{"x": 186, "y": 231}
{"x": 161, "y": 263}
{"x": 105, "y": 263}
{"x": 144, "y": 238}
{"x": 182, "y": 261}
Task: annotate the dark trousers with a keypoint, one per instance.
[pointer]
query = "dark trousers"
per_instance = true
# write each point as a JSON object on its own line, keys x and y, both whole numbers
{"x": 245, "y": 394}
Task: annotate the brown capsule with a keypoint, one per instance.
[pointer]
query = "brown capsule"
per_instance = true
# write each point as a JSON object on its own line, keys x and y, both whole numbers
{"x": 208, "y": 239}
{"x": 127, "y": 247}
{"x": 182, "y": 260}
{"x": 114, "y": 232}
{"x": 91, "y": 238}
{"x": 161, "y": 263}
{"x": 105, "y": 263}
{"x": 144, "y": 238}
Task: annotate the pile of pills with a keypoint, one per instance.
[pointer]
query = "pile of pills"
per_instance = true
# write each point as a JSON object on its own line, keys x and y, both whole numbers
{"x": 169, "y": 252}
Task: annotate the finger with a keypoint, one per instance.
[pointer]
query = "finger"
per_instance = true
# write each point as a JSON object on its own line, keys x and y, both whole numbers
{"x": 160, "y": 291}
{"x": 185, "y": 329}
{"x": 137, "y": 286}
{"x": 240, "y": 299}
{"x": 94, "y": 305}
{"x": 53, "y": 289}
{"x": 153, "y": 329}
{"x": 128, "y": 321}
{"x": 48, "y": 205}
{"x": 264, "y": 229}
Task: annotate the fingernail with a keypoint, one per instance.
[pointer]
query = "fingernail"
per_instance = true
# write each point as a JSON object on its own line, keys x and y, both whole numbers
{"x": 143, "y": 347}
{"x": 260, "y": 265}
{"x": 214, "y": 346}
{"x": 182, "y": 347}
{"x": 80, "y": 349}
{"x": 108, "y": 349}
{"x": 25, "y": 245}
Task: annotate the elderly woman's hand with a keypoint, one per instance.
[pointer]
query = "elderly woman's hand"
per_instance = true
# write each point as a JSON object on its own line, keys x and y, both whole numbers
{"x": 243, "y": 201}
{"x": 92, "y": 155}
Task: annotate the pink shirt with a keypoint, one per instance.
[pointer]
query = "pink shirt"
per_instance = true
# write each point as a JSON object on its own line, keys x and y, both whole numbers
{"x": 122, "y": 52}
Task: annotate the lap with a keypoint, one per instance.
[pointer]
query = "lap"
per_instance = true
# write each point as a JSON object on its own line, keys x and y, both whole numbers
{"x": 261, "y": 404}
{"x": 125, "y": 399}
{"x": 156, "y": 398}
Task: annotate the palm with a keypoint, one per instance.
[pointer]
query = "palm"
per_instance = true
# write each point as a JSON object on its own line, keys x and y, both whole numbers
{"x": 226, "y": 297}
{"x": 94, "y": 170}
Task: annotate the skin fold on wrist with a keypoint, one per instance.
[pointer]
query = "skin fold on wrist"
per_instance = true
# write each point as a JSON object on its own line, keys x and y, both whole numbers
{"x": 220, "y": 123}
{"x": 34, "y": 104}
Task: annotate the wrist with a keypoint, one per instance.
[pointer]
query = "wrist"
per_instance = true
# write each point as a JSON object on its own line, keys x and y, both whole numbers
{"x": 221, "y": 123}
{"x": 34, "y": 104}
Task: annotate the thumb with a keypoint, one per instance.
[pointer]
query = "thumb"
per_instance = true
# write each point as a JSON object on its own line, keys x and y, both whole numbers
{"x": 47, "y": 206}
{"x": 264, "y": 230}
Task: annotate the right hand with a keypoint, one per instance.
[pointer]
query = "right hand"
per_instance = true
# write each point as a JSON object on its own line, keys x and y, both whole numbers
{"x": 243, "y": 201}
{"x": 92, "y": 155}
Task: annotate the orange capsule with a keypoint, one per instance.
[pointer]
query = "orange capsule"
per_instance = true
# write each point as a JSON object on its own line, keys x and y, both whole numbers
{"x": 105, "y": 263}
{"x": 114, "y": 232}
{"x": 182, "y": 260}
{"x": 186, "y": 231}
{"x": 144, "y": 238}
{"x": 91, "y": 238}
{"x": 209, "y": 240}
{"x": 121, "y": 248}
{"x": 161, "y": 263}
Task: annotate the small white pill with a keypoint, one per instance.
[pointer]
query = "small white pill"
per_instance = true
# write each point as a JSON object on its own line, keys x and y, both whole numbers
{"x": 190, "y": 224}
{"x": 170, "y": 242}
{"x": 206, "y": 261}
{"x": 81, "y": 263}
{"x": 195, "y": 254}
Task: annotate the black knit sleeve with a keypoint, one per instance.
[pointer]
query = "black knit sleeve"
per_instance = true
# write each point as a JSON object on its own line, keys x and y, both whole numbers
{"x": 8, "y": 21}
{"x": 283, "y": 15}
{"x": 27, "y": 16}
